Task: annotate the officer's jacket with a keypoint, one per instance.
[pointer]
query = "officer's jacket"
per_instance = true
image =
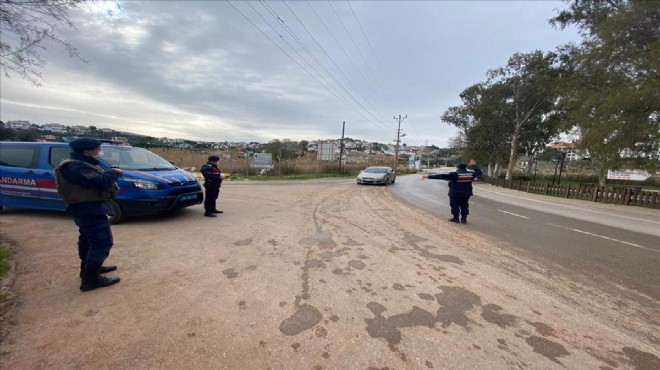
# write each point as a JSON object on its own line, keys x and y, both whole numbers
{"x": 85, "y": 186}
{"x": 212, "y": 175}
{"x": 460, "y": 182}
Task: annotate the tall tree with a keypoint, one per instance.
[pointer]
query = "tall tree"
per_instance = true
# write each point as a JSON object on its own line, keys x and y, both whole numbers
{"x": 26, "y": 27}
{"x": 531, "y": 79}
{"x": 484, "y": 122}
{"x": 612, "y": 91}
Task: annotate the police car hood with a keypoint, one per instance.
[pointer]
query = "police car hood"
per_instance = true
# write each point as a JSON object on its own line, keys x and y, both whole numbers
{"x": 170, "y": 177}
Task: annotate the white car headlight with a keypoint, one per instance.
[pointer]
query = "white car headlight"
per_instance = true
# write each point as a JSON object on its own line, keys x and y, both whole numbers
{"x": 143, "y": 184}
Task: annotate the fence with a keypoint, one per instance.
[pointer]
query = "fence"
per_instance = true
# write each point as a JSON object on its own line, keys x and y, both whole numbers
{"x": 629, "y": 196}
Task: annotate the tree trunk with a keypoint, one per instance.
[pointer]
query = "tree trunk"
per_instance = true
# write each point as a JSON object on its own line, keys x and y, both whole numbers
{"x": 530, "y": 164}
{"x": 602, "y": 176}
{"x": 514, "y": 150}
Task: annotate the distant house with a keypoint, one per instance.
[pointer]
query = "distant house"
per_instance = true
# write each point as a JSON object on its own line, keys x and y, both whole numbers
{"x": 568, "y": 148}
{"x": 356, "y": 156}
{"x": 19, "y": 125}
{"x": 53, "y": 127}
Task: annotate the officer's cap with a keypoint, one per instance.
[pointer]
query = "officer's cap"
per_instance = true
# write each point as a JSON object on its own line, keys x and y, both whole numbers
{"x": 214, "y": 158}
{"x": 84, "y": 143}
{"x": 461, "y": 165}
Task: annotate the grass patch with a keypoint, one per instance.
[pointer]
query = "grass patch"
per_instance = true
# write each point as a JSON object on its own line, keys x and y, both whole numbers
{"x": 4, "y": 255}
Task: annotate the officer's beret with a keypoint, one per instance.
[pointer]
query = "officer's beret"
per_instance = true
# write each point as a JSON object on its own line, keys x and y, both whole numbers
{"x": 461, "y": 165}
{"x": 84, "y": 143}
{"x": 214, "y": 158}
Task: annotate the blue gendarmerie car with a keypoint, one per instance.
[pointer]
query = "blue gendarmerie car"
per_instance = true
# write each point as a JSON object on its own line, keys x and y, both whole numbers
{"x": 150, "y": 184}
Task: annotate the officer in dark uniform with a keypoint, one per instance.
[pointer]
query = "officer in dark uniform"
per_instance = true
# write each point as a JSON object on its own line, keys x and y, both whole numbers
{"x": 460, "y": 188}
{"x": 212, "y": 182}
{"x": 87, "y": 188}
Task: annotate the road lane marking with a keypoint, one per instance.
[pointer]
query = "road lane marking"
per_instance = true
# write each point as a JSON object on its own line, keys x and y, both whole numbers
{"x": 608, "y": 238}
{"x": 513, "y": 214}
{"x": 560, "y": 205}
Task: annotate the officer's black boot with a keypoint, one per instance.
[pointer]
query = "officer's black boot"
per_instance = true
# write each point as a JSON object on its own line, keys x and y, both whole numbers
{"x": 209, "y": 213}
{"x": 454, "y": 219}
{"x": 216, "y": 211}
{"x": 102, "y": 270}
{"x": 464, "y": 219}
{"x": 92, "y": 280}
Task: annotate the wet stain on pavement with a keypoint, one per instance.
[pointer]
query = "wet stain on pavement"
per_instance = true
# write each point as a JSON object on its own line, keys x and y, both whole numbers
{"x": 429, "y": 364}
{"x": 230, "y": 273}
{"x": 455, "y": 302}
{"x": 334, "y": 318}
{"x": 295, "y": 346}
{"x": 306, "y": 317}
{"x": 491, "y": 313}
{"x": 352, "y": 243}
{"x": 251, "y": 268}
{"x": 425, "y": 296}
{"x": 325, "y": 355}
{"x": 440, "y": 257}
{"x": 358, "y": 265}
{"x": 329, "y": 255}
{"x": 641, "y": 359}
{"x": 543, "y": 329}
{"x": 282, "y": 303}
{"x": 321, "y": 332}
{"x": 412, "y": 238}
{"x": 241, "y": 243}
{"x": 314, "y": 263}
{"x": 339, "y": 271}
{"x": 272, "y": 242}
{"x": 388, "y": 328}
{"x": 547, "y": 348}
{"x": 242, "y": 305}
{"x": 324, "y": 241}
{"x": 397, "y": 286}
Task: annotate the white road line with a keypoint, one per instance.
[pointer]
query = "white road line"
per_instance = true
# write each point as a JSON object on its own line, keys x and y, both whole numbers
{"x": 513, "y": 214}
{"x": 559, "y": 205}
{"x": 608, "y": 238}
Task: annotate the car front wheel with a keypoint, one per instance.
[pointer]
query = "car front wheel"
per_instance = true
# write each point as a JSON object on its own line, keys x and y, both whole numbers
{"x": 118, "y": 215}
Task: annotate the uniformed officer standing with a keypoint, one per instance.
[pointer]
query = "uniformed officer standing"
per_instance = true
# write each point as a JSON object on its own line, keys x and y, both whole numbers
{"x": 212, "y": 182}
{"x": 460, "y": 189}
{"x": 87, "y": 188}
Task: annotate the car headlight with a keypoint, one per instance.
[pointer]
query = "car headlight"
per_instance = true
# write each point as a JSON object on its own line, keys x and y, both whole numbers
{"x": 144, "y": 184}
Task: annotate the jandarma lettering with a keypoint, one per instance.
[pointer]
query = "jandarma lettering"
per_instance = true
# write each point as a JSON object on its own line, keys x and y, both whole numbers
{"x": 17, "y": 181}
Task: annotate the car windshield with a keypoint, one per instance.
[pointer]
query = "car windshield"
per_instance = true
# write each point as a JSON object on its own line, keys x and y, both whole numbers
{"x": 136, "y": 159}
{"x": 376, "y": 170}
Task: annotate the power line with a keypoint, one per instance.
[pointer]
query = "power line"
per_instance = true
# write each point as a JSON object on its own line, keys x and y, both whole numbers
{"x": 293, "y": 59}
{"x": 299, "y": 41}
{"x": 334, "y": 38}
{"x": 331, "y": 60}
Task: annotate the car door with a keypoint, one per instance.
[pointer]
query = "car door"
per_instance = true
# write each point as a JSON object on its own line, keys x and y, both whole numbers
{"x": 25, "y": 182}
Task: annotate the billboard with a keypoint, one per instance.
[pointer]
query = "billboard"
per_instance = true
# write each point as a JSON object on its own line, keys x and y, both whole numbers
{"x": 262, "y": 160}
{"x": 326, "y": 152}
{"x": 630, "y": 175}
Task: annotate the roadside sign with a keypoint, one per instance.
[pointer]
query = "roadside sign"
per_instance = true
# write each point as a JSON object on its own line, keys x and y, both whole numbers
{"x": 262, "y": 160}
{"x": 629, "y": 175}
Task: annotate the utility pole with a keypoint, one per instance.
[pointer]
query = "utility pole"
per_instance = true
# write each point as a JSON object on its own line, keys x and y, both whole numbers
{"x": 341, "y": 144}
{"x": 398, "y": 139}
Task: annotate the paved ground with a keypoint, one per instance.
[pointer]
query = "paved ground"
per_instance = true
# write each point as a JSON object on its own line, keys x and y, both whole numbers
{"x": 297, "y": 275}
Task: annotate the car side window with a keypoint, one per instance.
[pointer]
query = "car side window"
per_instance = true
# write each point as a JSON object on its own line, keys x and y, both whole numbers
{"x": 19, "y": 156}
{"x": 57, "y": 155}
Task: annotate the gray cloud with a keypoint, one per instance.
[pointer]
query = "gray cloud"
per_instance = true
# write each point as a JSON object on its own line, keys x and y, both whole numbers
{"x": 198, "y": 69}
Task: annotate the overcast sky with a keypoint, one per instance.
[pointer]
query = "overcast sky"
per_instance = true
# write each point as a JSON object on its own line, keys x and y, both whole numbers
{"x": 253, "y": 71}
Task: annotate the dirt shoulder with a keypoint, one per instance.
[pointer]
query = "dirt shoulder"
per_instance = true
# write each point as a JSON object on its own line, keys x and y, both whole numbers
{"x": 318, "y": 274}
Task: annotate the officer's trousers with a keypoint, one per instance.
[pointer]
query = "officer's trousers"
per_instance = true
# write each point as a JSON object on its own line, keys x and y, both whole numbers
{"x": 210, "y": 196}
{"x": 95, "y": 240}
{"x": 459, "y": 205}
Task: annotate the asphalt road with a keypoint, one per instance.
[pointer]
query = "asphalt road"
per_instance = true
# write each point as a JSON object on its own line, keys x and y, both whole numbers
{"x": 600, "y": 242}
